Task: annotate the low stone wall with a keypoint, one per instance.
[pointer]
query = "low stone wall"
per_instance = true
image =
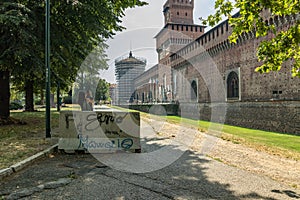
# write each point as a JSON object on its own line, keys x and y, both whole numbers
{"x": 276, "y": 116}
{"x": 159, "y": 109}
{"x": 283, "y": 117}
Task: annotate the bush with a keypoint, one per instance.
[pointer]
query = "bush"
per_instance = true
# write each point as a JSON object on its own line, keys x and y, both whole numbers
{"x": 67, "y": 100}
{"x": 38, "y": 102}
{"x": 15, "y": 106}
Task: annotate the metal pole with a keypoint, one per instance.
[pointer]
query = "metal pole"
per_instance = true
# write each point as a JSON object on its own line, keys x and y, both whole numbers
{"x": 58, "y": 96}
{"x": 47, "y": 60}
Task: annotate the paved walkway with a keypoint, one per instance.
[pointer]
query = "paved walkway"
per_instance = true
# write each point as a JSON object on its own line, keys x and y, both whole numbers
{"x": 191, "y": 176}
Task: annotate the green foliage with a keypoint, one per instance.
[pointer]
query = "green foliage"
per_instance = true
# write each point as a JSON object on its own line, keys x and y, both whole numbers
{"x": 88, "y": 74}
{"x": 102, "y": 91}
{"x": 67, "y": 99}
{"x": 15, "y": 106}
{"x": 38, "y": 102}
{"x": 77, "y": 29}
{"x": 15, "y": 36}
{"x": 16, "y": 95}
{"x": 285, "y": 44}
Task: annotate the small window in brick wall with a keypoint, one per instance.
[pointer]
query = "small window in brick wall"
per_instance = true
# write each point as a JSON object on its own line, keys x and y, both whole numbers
{"x": 233, "y": 85}
{"x": 277, "y": 92}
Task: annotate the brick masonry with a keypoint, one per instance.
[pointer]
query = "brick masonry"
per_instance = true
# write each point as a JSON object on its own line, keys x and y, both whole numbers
{"x": 283, "y": 116}
{"x": 210, "y": 60}
{"x": 280, "y": 116}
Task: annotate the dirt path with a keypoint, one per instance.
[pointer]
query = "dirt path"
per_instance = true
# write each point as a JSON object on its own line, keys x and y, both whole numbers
{"x": 278, "y": 168}
{"x": 281, "y": 169}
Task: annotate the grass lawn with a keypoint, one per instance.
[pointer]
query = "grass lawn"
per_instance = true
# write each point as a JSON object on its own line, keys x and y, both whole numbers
{"x": 286, "y": 145}
{"x": 18, "y": 142}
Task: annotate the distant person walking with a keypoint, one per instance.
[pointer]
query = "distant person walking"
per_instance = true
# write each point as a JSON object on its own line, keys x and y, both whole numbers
{"x": 89, "y": 99}
{"x": 85, "y": 100}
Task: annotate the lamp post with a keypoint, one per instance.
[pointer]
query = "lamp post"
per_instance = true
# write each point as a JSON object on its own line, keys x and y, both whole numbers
{"x": 58, "y": 99}
{"x": 47, "y": 62}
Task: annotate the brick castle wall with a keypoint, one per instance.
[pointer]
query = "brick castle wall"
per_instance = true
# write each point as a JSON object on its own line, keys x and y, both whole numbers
{"x": 265, "y": 101}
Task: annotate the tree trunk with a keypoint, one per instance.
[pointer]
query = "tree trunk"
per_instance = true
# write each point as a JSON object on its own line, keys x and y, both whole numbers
{"x": 42, "y": 97}
{"x": 29, "y": 106}
{"x": 4, "y": 94}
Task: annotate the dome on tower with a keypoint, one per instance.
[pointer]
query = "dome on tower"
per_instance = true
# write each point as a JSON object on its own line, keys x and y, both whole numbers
{"x": 130, "y": 60}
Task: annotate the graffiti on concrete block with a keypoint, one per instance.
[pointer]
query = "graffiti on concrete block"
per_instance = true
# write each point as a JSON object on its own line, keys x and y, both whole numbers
{"x": 100, "y": 130}
{"x": 102, "y": 119}
{"x": 101, "y": 143}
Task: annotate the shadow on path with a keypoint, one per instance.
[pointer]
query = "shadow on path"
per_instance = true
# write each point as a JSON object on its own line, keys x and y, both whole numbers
{"x": 192, "y": 176}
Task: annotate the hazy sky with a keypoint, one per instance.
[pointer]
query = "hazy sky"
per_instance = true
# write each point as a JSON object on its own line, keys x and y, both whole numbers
{"x": 142, "y": 24}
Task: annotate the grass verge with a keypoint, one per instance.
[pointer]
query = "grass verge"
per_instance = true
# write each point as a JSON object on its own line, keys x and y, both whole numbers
{"x": 286, "y": 145}
{"x": 18, "y": 142}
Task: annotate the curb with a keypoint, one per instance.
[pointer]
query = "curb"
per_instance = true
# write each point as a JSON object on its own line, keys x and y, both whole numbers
{"x": 22, "y": 164}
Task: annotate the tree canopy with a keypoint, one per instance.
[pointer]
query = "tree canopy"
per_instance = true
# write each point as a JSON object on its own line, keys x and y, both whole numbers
{"x": 102, "y": 90}
{"x": 285, "y": 43}
{"x": 77, "y": 27}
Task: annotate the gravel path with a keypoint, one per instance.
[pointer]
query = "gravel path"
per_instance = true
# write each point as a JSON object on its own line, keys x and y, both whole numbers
{"x": 281, "y": 169}
{"x": 278, "y": 168}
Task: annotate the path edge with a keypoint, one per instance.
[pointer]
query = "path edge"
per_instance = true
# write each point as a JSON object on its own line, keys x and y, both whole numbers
{"x": 24, "y": 163}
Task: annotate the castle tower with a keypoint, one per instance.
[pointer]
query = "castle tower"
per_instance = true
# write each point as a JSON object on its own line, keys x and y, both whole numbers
{"x": 127, "y": 69}
{"x": 179, "y": 28}
{"x": 178, "y": 31}
{"x": 179, "y": 11}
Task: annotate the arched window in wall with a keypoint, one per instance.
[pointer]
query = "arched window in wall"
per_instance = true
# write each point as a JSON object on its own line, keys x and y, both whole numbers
{"x": 194, "y": 90}
{"x": 233, "y": 85}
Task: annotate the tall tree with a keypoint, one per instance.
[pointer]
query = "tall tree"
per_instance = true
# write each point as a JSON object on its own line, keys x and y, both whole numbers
{"x": 102, "y": 91}
{"x": 89, "y": 72}
{"x": 285, "y": 43}
{"x": 15, "y": 43}
{"x": 77, "y": 27}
